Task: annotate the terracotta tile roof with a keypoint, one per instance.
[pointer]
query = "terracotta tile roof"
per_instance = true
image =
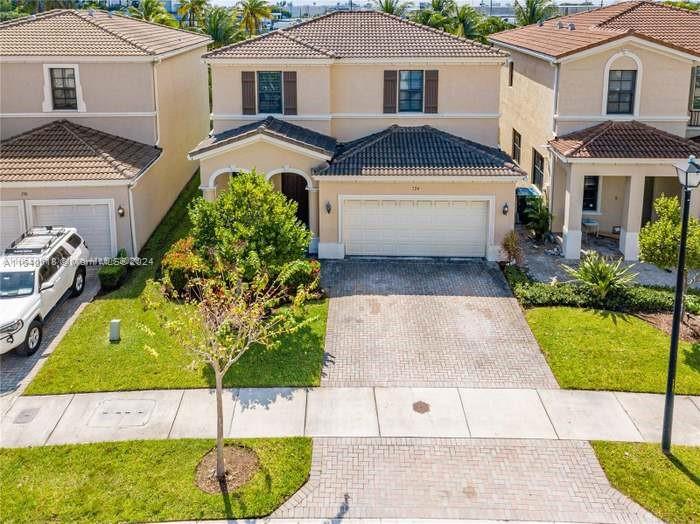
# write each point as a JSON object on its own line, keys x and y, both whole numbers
{"x": 70, "y": 32}
{"x": 356, "y": 34}
{"x": 64, "y": 151}
{"x": 669, "y": 26}
{"x": 418, "y": 151}
{"x": 623, "y": 140}
{"x": 272, "y": 127}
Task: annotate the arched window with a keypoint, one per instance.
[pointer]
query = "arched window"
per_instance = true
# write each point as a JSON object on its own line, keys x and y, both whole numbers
{"x": 622, "y": 83}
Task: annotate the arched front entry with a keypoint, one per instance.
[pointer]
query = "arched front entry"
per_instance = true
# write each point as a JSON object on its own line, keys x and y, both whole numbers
{"x": 294, "y": 187}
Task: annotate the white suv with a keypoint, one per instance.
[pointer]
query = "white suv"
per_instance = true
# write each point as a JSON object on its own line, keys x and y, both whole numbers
{"x": 35, "y": 272}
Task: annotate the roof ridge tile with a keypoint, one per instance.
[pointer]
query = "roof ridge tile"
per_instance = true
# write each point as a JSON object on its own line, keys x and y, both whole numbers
{"x": 298, "y": 40}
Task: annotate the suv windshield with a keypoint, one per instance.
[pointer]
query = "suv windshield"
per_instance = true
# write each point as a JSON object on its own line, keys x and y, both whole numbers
{"x": 16, "y": 283}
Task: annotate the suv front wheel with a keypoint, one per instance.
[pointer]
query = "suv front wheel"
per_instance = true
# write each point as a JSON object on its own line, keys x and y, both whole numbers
{"x": 78, "y": 282}
{"x": 32, "y": 341}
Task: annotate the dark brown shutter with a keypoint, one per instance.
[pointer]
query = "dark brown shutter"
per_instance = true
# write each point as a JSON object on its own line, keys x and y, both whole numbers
{"x": 431, "y": 91}
{"x": 290, "y": 92}
{"x": 248, "y": 92}
{"x": 390, "y": 93}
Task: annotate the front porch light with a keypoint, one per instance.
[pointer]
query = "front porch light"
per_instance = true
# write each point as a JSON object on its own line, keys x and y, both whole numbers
{"x": 329, "y": 207}
{"x": 689, "y": 172}
{"x": 505, "y": 208}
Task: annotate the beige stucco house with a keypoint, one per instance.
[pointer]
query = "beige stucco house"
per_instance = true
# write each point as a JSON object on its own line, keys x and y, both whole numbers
{"x": 384, "y": 131}
{"x": 97, "y": 114}
{"x": 596, "y": 107}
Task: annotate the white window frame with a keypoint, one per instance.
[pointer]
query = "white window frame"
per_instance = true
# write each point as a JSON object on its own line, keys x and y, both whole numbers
{"x": 47, "y": 104}
{"x": 637, "y": 88}
{"x": 599, "y": 199}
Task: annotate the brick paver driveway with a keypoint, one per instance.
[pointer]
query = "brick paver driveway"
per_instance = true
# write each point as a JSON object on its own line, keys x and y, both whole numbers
{"x": 427, "y": 323}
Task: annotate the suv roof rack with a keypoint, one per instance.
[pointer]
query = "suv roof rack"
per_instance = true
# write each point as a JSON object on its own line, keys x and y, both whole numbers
{"x": 37, "y": 240}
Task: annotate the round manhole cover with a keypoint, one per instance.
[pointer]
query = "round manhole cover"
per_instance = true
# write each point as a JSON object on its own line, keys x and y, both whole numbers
{"x": 421, "y": 407}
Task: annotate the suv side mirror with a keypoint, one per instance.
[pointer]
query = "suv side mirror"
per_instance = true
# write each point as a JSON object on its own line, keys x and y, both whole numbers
{"x": 46, "y": 285}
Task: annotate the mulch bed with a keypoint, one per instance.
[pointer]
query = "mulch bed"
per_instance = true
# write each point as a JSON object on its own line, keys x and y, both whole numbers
{"x": 690, "y": 326}
{"x": 241, "y": 465}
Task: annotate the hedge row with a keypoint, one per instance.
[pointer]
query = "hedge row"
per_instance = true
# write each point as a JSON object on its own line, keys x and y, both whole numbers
{"x": 632, "y": 299}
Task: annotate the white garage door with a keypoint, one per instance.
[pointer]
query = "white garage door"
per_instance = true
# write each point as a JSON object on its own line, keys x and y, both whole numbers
{"x": 420, "y": 227}
{"x": 11, "y": 222}
{"x": 94, "y": 222}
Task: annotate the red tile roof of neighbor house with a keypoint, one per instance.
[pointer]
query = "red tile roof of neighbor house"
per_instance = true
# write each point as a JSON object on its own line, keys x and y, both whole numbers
{"x": 670, "y": 26}
{"x": 71, "y": 32}
{"x": 623, "y": 140}
{"x": 64, "y": 151}
{"x": 356, "y": 34}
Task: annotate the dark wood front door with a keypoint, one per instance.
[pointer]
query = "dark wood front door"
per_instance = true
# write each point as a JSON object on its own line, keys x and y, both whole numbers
{"x": 294, "y": 188}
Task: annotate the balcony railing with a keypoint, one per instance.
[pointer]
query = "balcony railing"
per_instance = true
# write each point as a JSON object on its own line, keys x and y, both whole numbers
{"x": 694, "y": 119}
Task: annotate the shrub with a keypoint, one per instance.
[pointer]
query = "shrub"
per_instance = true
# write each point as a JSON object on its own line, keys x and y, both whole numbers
{"x": 600, "y": 274}
{"x": 305, "y": 273}
{"x": 113, "y": 273}
{"x": 538, "y": 217}
{"x": 512, "y": 249}
{"x": 249, "y": 225}
{"x": 181, "y": 264}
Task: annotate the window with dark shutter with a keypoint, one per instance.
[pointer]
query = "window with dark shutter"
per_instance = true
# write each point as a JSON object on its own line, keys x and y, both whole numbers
{"x": 537, "y": 169}
{"x": 248, "y": 92}
{"x": 431, "y": 91}
{"x": 517, "y": 142}
{"x": 390, "y": 91}
{"x": 290, "y": 92}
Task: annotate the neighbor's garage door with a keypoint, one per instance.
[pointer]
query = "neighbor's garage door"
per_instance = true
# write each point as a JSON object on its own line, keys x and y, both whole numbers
{"x": 408, "y": 227}
{"x": 11, "y": 222}
{"x": 94, "y": 221}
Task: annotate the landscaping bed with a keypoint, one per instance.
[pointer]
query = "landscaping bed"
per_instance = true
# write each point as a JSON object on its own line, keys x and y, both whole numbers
{"x": 143, "y": 481}
{"x": 669, "y": 486}
{"x": 604, "y": 350}
{"x": 148, "y": 357}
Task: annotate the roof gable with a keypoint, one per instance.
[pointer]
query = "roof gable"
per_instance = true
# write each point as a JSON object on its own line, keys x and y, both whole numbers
{"x": 670, "y": 26}
{"x": 70, "y": 32}
{"x": 356, "y": 35}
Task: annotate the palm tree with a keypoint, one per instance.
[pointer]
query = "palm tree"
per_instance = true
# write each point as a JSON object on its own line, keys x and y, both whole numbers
{"x": 393, "y": 7}
{"x": 193, "y": 10}
{"x": 466, "y": 22}
{"x": 438, "y": 15}
{"x": 252, "y": 14}
{"x": 152, "y": 11}
{"x": 534, "y": 11}
{"x": 490, "y": 25}
{"x": 220, "y": 25}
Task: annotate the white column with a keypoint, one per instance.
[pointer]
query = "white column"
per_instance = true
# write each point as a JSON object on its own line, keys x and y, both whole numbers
{"x": 313, "y": 218}
{"x": 209, "y": 193}
{"x": 632, "y": 217}
{"x": 573, "y": 207}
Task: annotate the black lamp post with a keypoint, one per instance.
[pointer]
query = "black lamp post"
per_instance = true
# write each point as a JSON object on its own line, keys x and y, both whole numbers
{"x": 689, "y": 177}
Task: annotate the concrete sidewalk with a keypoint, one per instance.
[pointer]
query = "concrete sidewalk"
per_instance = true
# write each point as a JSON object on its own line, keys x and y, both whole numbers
{"x": 348, "y": 412}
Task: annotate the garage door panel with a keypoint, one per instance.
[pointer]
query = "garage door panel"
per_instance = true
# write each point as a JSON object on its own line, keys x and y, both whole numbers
{"x": 92, "y": 220}
{"x": 415, "y": 227}
{"x": 11, "y": 222}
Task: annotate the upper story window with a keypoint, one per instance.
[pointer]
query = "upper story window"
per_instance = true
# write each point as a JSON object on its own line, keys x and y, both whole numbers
{"x": 621, "y": 88}
{"x": 517, "y": 142}
{"x": 511, "y": 66}
{"x": 591, "y": 187}
{"x": 410, "y": 91}
{"x": 537, "y": 169}
{"x": 695, "y": 102}
{"x": 63, "y": 88}
{"x": 270, "y": 92}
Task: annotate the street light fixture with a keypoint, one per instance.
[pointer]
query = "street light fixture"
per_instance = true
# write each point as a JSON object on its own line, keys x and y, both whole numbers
{"x": 689, "y": 177}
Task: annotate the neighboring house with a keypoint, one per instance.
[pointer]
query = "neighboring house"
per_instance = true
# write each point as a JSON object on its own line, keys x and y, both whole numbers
{"x": 384, "y": 131}
{"x": 98, "y": 113}
{"x": 597, "y": 107}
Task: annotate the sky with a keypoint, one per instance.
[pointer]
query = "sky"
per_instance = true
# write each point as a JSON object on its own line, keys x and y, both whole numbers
{"x": 362, "y": 2}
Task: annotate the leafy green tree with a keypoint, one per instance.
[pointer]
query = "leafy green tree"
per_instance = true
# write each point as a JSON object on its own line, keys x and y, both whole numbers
{"x": 152, "y": 11}
{"x": 691, "y": 6}
{"x": 193, "y": 11}
{"x": 534, "y": 11}
{"x": 438, "y": 15}
{"x": 220, "y": 25}
{"x": 660, "y": 238}
{"x": 253, "y": 12}
{"x": 466, "y": 22}
{"x": 392, "y": 7}
{"x": 537, "y": 217}
{"x": 250, "y": 225}
{"x": 490, "y": 25}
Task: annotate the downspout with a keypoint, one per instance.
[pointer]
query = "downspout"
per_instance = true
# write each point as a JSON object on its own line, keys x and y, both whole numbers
{"x": 132, "y": 221}
{"x": 555, "y": 108}
{"x": 155, "y": 101}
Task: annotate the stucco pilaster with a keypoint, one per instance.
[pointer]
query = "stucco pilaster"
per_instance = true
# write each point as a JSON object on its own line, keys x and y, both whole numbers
{"x": 632, "y": 217}
{"x": 573, "y": 207}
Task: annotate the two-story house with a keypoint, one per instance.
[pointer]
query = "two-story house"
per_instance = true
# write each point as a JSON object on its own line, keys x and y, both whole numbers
{"x": 384, "y": 131}
{"x": 97, "y": 114}
{"x": 597, "y": 107}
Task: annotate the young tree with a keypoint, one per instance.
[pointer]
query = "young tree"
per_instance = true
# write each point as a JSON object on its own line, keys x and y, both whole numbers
{"x": 226, "y": 317}
{"x": 659, "y": 239}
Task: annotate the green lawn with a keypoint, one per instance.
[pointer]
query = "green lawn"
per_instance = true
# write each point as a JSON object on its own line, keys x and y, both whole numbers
{"x": 589, "y": 349}
{"x": 669, "y": 487}
{"x": 85, "y": 361}
{"x": 141, "y": 481}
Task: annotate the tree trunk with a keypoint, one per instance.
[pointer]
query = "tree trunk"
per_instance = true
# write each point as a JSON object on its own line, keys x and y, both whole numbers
{"x": 220, "y": 466}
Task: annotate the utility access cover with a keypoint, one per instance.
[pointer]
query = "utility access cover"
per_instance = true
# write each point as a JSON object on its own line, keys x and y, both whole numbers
{"x": 122, "y": 413}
